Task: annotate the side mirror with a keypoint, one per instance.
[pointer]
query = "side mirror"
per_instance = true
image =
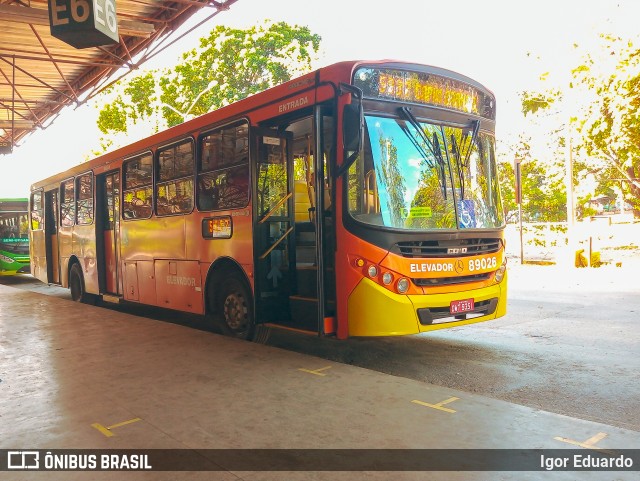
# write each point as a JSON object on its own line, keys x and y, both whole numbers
{"x": 352, "y": 127}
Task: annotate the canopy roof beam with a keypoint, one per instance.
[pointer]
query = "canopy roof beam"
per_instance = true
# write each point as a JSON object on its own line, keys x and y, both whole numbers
{"x": 40, "y": 74}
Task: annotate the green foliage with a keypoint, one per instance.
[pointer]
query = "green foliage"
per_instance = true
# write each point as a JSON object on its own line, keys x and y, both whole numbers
{"x": 113, "y": 117}
{"x": 532, "y": 102}
{"x": 544, "y": 195}
{"x": 604, "y": 95}
{"x": 141, "y": 92}
{"x": 390, "y": 178}
{"x": 228, "y": 65}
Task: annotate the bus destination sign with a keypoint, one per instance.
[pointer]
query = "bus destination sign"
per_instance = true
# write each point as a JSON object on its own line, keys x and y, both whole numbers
{"x": 84, "y": 23}
{"x": 217, "y": 227}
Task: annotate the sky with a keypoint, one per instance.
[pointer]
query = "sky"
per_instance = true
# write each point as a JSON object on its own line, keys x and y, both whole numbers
{"x": 503, "y": 44}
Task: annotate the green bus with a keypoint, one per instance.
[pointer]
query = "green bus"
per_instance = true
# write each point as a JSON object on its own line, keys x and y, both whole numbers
{"x": 14, "y": 239}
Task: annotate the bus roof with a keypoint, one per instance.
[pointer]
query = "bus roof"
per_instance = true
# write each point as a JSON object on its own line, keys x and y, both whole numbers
{"x": 331, "y": 74}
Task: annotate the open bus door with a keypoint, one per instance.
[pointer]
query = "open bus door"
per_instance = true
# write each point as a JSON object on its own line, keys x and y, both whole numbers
{"x": 108, "y": 232}
{"x": 51, "y": 199}
{"x": 274, "y": 225}
{"x": 294, "y": 254}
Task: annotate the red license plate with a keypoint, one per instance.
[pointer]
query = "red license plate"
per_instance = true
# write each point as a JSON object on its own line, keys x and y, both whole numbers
{"x": 463, "y": 305}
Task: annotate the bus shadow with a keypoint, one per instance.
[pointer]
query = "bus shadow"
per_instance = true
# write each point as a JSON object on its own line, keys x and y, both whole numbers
{"x": 194, "y": 321}
{"x": 421, "y": 357}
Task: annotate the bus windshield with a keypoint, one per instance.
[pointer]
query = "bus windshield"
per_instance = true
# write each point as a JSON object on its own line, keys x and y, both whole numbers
{"x": 421, "y": 175}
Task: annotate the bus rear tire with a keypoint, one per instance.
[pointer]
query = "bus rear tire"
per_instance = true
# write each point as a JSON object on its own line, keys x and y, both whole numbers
{"x": 235, "y": 309}
{"x": 76, "y": 285}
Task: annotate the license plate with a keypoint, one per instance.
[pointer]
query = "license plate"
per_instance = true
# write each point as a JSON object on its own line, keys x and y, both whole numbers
{"x": 463, "y": 305}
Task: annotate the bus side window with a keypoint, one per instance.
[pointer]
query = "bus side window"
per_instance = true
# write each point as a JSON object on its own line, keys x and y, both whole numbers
{"x": 37, "y": 210}
{"x": 84, "y": 208}
{"x": 137, "y": 204}
{"x": 174, "y": 186}
{"x": 207, "y": 192}
{"x": 137, "y": 195}
{"x": 223, "y": 168}
{"x": 67, "y": 204}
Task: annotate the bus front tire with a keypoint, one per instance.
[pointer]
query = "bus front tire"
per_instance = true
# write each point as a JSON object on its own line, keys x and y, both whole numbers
{"x": 235, "y": 309}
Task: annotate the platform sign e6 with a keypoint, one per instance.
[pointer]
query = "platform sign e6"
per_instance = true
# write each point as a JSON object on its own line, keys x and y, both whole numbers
{"x": 84, "y": 23}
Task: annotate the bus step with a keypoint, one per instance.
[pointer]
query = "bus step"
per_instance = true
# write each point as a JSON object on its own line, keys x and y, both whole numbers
{"x": 304, "y": 312}
{"x": 303, "y": 299}
{"x": 111, "y": 298}
{"x": 306, "y": 279}
{"x": 285, "y": 327}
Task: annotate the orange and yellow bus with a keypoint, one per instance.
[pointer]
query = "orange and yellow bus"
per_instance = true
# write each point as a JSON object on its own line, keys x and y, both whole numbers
{"x": 358, "y": 200}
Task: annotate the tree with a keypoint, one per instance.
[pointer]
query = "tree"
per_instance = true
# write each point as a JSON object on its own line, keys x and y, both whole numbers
{"x": 390, "y": 180}
{"x": 544, "y": 195}
{"x": 229, "y": 65}
{"x": 604, "y": 91}
{"x": 611, "y": 124}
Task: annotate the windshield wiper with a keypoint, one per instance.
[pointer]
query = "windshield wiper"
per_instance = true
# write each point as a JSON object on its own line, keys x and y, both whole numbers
{"x": 459, "y": 167}
{"x": 457, "y": 152}
{"x": 434, "y": 147}
{"x": 441, "y": 164}
{"x": 474, "y": 136}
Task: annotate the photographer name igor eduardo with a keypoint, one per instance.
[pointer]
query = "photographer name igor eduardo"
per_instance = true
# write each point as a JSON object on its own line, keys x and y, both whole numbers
{"x": 585, "y": 462}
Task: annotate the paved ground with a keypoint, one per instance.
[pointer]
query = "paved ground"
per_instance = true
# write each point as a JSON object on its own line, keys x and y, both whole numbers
{"x": 570, "y": 344}
{"x": 75, "y": 376}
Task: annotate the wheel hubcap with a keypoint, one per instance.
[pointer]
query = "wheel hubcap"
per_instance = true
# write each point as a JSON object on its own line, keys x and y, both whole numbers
{"x": 235, "y": 311}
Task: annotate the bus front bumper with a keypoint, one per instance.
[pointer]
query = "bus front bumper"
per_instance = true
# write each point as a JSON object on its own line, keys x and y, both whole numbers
{"x": 376, "y": 311}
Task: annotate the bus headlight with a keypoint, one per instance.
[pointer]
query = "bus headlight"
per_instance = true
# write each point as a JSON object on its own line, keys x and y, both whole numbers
{"x": 501, "y": 271}
{"x": 372, "y": 271}
{"x": 403, "y": 285}
{"x": 387, "y": 278}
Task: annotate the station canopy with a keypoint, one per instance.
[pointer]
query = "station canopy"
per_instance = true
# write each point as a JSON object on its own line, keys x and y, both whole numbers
{"x": 40, "y": 75}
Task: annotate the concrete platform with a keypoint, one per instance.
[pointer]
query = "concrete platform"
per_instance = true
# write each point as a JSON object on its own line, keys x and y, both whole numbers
{"x": 76, "y": 376}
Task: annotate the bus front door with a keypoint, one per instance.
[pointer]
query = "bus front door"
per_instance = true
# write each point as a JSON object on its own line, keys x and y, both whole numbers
{"x": 290, "y": 244}
{"x": 274, "y": 227}
{"x": 312, "y": 299}
{"x": 107, "y": 232}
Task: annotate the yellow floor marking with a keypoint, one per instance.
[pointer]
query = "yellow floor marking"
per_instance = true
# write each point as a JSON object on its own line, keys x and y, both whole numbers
{"x": 439, "y": 405}
{"x": 589, "y": 443}
{"x": 317, "y": 372}
{"x": 102, "y": 429}
{"x": 106, "y": 430}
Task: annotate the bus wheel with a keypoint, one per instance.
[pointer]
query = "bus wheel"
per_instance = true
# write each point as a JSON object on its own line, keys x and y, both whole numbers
{"x": 236, "y": 309}
{"x": 76, "y": 284}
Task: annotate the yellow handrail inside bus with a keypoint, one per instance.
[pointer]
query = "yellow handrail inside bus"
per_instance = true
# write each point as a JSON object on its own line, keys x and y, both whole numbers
{"x": 268, "y": 251}
{"x": 275, "y": 207}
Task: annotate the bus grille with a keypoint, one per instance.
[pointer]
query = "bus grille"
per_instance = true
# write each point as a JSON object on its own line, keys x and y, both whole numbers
{"x": 447, "y": 248}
